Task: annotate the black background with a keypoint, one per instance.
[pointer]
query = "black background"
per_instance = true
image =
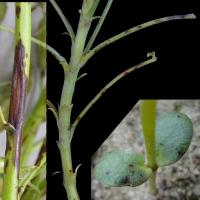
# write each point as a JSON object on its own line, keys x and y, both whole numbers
{"x": 174, "y": 76}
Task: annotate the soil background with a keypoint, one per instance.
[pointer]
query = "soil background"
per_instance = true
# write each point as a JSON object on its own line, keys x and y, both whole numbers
{"x": 180, "y": 181}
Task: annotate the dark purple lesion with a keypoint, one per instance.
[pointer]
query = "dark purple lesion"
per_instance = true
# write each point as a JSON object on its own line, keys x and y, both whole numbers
{"x": 18, "y": 96}
{"x": 18, "y": 91}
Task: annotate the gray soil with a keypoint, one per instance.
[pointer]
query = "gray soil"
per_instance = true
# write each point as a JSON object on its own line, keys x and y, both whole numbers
{"x": 180, "y": 181}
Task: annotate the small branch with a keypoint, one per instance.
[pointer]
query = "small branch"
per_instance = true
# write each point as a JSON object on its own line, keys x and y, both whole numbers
{"x": 2, "y": 118}
{"x": 60, "y": 58}
{"x": 53, "y": 109}
{"x": 109, "y": 85}
{"x": 89, "y": 7}
{"x": 64, "y": 20}
{"x": 119, "y": 36}
{"x": 31, "y": 126}
{"x": 31, "y": 176}
{"x": 98, "y": 27}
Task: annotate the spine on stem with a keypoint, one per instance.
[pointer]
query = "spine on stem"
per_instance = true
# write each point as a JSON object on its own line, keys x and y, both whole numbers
{"x": 17, "y": 100}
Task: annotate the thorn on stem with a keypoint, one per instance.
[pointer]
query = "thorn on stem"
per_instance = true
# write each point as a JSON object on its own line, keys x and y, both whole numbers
{"x": 58, "y": 172}
{"x": 77, "y": 168}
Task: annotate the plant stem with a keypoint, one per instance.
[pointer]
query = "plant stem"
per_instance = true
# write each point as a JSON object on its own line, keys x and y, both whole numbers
{"x": 98, "y": 27}
{"x": 110, "y": 84}
{"x": 152, "y": 183}
{"x": 64, "y": 143}
{"x": 50, "y": 49}
{"x": 17, "y": 100}
{"x": 148, "y": 118}
{"x": 123, "y": 34}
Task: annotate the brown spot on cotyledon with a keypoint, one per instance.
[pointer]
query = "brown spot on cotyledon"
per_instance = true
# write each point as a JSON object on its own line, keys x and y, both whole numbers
{"x": 107, "y": 173}
{"x": 125, "y": 180}
{"x": 131, "y": 168}
{"x": 18, "y": 9}
{"x": 141, "y": 175}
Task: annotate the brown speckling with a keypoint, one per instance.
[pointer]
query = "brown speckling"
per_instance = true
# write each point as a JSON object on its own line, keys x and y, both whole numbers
{"x": 5, "y": 165}
{"x": 127, "y": 72}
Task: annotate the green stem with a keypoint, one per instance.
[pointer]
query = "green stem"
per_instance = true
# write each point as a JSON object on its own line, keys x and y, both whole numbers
{"x": 123, "y": 34}
{"x": 152, "y": 183}
{"x": 17, "y": 100}
{"x": 109, "y": 85}
{"x": 148, "y": 118}
{"x": 64, "y": 143}
{"x": 50, "y": 49}
{"x": 98, "y": 27}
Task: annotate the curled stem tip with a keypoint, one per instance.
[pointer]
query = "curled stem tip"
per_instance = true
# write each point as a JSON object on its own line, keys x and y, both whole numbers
{"x": 152, "y": 59}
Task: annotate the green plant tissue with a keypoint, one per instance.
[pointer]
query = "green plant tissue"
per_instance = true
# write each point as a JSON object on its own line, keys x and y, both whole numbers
{"x": 3, "y": 8}
{"x": 4, "y": 102}
{"x": 122, "y": 168}
{"x": 173, "y": 136}
{"x": 41, "y": 52}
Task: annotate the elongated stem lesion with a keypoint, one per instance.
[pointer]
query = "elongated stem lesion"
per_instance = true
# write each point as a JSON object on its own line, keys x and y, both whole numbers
{"x": 17, "y": 100}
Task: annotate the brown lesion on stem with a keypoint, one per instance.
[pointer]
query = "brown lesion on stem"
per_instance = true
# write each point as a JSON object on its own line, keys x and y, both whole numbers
{"x": 17, "y": 100}
{"x": 18, "y": 9}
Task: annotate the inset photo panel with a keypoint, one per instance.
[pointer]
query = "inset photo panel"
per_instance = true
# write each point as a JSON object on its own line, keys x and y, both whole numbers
{"x": 22, "y": 100}
{"x": 152, "y": 154}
